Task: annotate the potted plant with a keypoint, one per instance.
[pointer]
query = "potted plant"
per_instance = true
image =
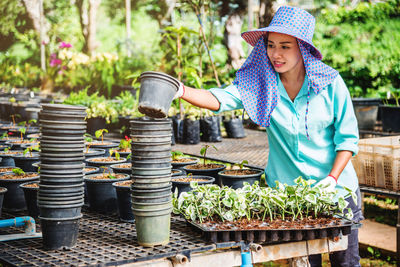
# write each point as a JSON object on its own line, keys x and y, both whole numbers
{"x": 14, "y": 198}
{"x": 191, "y": 126}
{"x": 107, "y": 145}
{"x": 205, "y": 169}
{"x": 27, "y": 158}
{"x": 122, "y": 168}
{"x": 298, "y": 206}
{"x": 236, "y": 178}
{"x": 390, "y": 110}
{"x": 99, "y": 114}
{"x": 210, "y": 130}
{"x": 182, "y": 183}
{"x": 365, "y": 104}
{"x": 7, "y": 156}
{"x": 102, "y": 196}
{"x": 233, "y": 124}
{"x": 124, "y": 147}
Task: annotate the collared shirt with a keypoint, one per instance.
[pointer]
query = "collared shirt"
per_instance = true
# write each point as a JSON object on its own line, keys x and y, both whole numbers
{"x": 332, "y": 126}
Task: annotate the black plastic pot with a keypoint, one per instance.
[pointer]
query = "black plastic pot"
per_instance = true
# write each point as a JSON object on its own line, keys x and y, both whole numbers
{"x": 62, "y": 116}
{"x": 3, "y": 191}
{"x": 191, "y": 132}
{"x": 210, "y": 129}
{"x": 94, "y": 153}
{"x": 96, "y": 170}
{"x": 151, "y": 171}
{"x": 90, "y": 162}
{"x": 59, "y": 233}
{"x": 102, "y": 197}
{"x": 167, "y": 196}
{"x": 390, "y": 116}
{"x": 14, "y": 198}
{"x": 8, "y": 159}
{"x": 180, "y": 165}
{"x": 25, "y": 161}
{"x": 30, "y": 194}
{"x": 61, "y": 188}
{"x": 177, "y": 172}
{"x": 6, "y": 169}
{"x": 151, "y": 138}
{"x": 20, "y": 146}
{"x": 60, "y": 211}
{"x": 156, "y": 93}
{"x": 151, "y": 162}
{"x": 206, "y": 172}
{"x": 61, "y": 161}
{"x": 107, "y": 145}
{"x": 157, "y": 192}
{"x": 185, "y": 186}
{"x": 124, "y": 202}
{"x": 177, "y": 125}
{"x": 118, "y": 169}
{"x": 366, "y": 111}
{"x": 236, "y": 181}
{"x": 94, "y": 124}
{"x": 234, "y": 128}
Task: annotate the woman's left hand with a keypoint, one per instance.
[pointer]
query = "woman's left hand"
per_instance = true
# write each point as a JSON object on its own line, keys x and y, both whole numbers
{"x": 329, "y": 183}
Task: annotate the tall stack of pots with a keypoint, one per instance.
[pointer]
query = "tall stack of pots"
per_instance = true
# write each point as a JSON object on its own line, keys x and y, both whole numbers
{"x": 151, "y": 174}
{"x": 61, "y": 192}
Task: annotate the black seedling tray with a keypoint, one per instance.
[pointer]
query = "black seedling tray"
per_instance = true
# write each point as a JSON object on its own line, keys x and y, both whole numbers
{"x": 273, "y": 235}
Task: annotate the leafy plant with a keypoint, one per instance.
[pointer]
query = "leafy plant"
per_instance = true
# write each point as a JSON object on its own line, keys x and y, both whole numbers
{"x": 298, "y": 201}
{"x": 241, "y": 164}
{"x": 18, "y": 171}
{"x": 22, "y": 131}
{"x": 109, "y": 174}
{"x": 30, "y": 149}
{"x": 115, "y": 153}
{"x": 391, "y": 93}
{"x": 176, "y": 155}
{"x": 100, "y": 133}
{"x": 125, "y": 143}
{"x": 88, "y": 140}
{"x": 203, "y": 152}
{"x": 4, "y": 135}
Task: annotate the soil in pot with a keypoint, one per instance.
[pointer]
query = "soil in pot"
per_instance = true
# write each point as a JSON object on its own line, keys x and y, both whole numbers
{"x": 236, "y": 178}
{"x": 182, "y": 183}
{"x": 7, "y": 157}
{"x": 14, "y": 198}
{"x": 181, "y": 162}
{"x": 6, "y": 169}
{"x": 210, "y": 169}
{"x": 124, "y": 200}
{"x": 122, "y": 168}
{"x": 104, "y": 161}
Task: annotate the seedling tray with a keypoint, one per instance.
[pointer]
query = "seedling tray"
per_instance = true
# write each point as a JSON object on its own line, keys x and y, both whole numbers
{"x": 273, "y": 235}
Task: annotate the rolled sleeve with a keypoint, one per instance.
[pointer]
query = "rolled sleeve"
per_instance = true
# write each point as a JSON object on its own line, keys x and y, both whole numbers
{"x": 228, "y": 98}
{"x": 346, "y": 134}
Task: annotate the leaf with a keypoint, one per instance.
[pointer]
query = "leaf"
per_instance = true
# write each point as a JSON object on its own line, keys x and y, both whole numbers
{"x": 203, "y": 150}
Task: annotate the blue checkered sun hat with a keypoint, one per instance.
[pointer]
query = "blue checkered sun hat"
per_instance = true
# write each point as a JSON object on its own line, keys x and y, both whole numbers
{"x": 256, "y": 79}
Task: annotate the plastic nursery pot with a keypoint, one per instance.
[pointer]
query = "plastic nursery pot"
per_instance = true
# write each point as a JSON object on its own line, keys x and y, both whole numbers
{"x": 122, "y": 168}
{"x": 236, "y": 178}
{"x": 148, "y": 186}
{"x": 366, "y": 111}
{"x": 60, "y": 188}
{"x": 151, "y": 192}
{"x": 59, "y": 233}
{"x": 3, "y": 190}
{"x": 167, "y": 196}
{"x": 157, "y": 91}
{"x": 79, "y": 138}
{"x": 182, "y": 183}
{"x": 147, "y": 234}
{"x": 30, "y": 193}
{"x": 151, "y": 206}
{"x": 234, "y": 128}
{"x": 14, "y": 199}
{"x": 90, "y": 170}
{"x": 145, "y": 179}
{"x": 213, "y": 172}
{"x": 4, "y": 169}
{"x": 8, "y": 159}
{"x": 61, "y": 117}
{"x": 152, "y": 154}
{"x": 93, "y": 162}
{"x": 94, "y": 153}
{"x": 25, "y": 161}
{"x": 164, "y": 146}
{"x": 62, "y": 161}
{"x": 64, "y": 108}
{"x": 151, "y": 172}
{"x": 151, "y": 138}
{"x": 390, "y": 118}
{"x": 150, "y": 124}
{"x": 102, "y": 197}
{"x": 151, "y": 163}
{"x": 182, "y": 162}
{"x": 177, "y": 172}
{"x": 124, "y": 201}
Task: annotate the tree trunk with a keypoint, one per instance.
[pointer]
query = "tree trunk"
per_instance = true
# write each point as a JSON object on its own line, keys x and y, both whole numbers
{"x": 233, "y": 40}
{"x": 87, "y": 19}
{"x": 266, "y": 12}
{"x": 33, "y": 11}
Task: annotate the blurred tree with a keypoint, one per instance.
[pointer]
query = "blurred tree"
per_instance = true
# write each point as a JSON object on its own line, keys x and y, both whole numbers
{"x": 87, "y": 17}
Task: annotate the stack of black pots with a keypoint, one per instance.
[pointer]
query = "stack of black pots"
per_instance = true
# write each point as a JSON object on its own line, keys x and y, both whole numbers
{"x": 61, "y": 191}
{"x": 151, "y": 174}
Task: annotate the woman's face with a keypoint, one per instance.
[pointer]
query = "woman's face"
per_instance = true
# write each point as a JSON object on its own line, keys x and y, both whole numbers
{"x": 283, "y": 52}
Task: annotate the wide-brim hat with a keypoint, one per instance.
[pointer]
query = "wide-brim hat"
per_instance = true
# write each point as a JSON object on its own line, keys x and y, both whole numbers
{"x": 291, "y": 21}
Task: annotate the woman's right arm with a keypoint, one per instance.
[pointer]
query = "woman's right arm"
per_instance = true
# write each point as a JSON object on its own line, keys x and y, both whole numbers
{"x": 201, "y": 98}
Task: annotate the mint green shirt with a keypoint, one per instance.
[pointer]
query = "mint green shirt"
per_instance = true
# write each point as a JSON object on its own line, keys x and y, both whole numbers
{"x": 332, "y": 126}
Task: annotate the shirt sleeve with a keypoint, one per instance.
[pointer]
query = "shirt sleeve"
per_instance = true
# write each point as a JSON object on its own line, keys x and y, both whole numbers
{"x": 228, "y": 98}
{"x": 346, "y": 129}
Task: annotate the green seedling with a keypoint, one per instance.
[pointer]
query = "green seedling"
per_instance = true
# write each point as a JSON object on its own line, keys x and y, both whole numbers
{"x": 4, "y": 135}
{"x": 203, "y": 152}
{"x": 88, "y": 139}
{"x": 109, "y": 174}
{"x": 241, "y": 164}
{"x": 18, "y": 171}
{"x": 176, "y": 155}
{"x": 6, "y": 150}
{"x": 22, "y": 131}
{"x": 129, "y": 156}
{"x": 124, "y": 144}
{"x": 115, "y": 153}
{"x": 100, "y": 133}
{"x": 30, "y": 149}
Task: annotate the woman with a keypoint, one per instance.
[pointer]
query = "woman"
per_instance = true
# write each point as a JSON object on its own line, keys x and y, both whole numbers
{"x": 305, "y": 107}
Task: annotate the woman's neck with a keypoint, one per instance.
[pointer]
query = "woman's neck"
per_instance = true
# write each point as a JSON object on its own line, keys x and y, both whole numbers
{"x": 292, "y": 81}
